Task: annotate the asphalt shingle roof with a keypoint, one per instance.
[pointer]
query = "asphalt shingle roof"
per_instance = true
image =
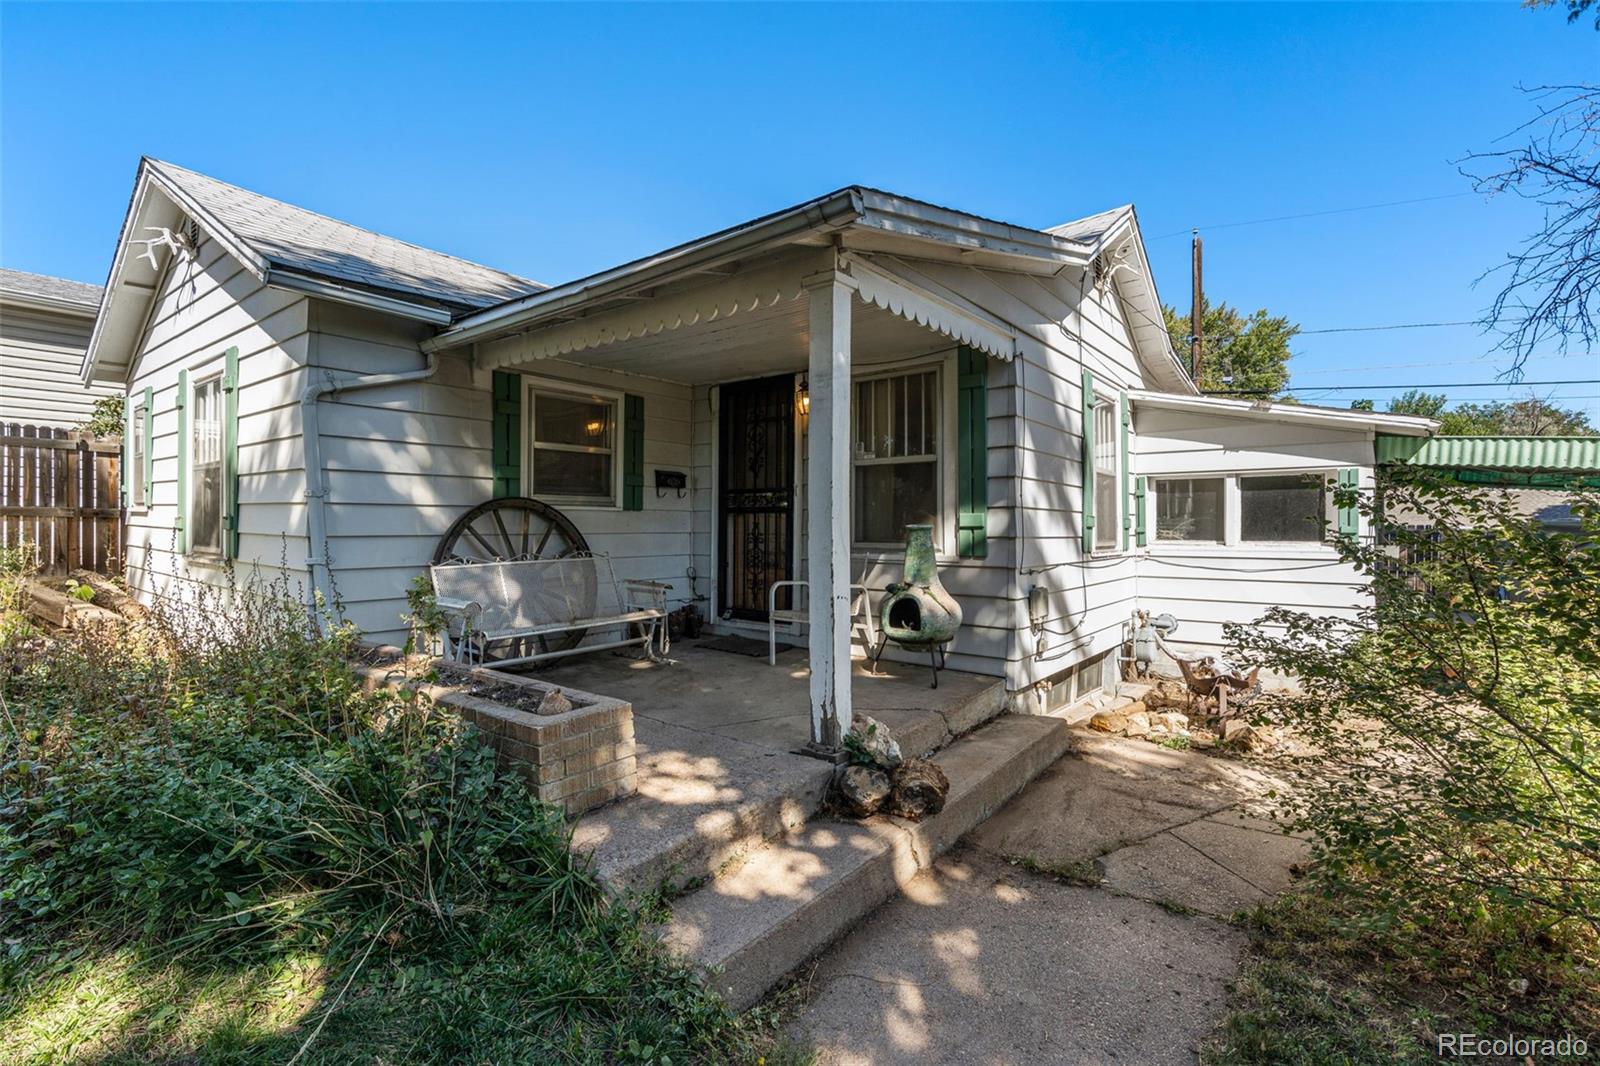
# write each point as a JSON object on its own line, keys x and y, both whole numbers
{"x": 25, "y": 284}
{"x": 296, "y": 239}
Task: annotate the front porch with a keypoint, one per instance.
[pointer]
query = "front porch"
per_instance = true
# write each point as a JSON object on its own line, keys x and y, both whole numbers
{"x": 718, "y": 741}
{"x": 777, "y": 403}
{"x": 740, "y": 697}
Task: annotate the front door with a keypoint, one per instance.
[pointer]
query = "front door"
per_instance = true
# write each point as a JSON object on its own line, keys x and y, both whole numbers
{"x": 755, "y": 495}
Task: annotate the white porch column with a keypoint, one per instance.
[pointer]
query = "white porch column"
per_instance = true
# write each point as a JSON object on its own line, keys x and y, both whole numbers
{"x": 828, "y": 506}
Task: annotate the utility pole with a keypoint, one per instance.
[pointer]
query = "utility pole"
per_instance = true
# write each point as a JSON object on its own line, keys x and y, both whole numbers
{"x": 1196, "y": 310}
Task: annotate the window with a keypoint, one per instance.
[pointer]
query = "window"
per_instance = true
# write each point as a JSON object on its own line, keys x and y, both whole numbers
{"x": 136, "y": 455}
{"x": 1288, "y": 507}
{"x": 1107, "y": 516}
{"x": 896, "y": 456}
{"x": 205, "y": 450}
{"x": 572, "y": 446}
{"x": 1189, "y": 509}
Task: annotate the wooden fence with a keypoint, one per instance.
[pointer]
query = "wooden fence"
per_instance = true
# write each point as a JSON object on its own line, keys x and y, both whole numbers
{"x": 59, "y": 492}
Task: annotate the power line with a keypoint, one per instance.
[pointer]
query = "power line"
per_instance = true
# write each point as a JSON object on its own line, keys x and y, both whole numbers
{"x": 1375, "y": 329}
{"x": 1312, "y": 214}
{"x": 1412, "y": 366}
{"x": 1435, "y": 385}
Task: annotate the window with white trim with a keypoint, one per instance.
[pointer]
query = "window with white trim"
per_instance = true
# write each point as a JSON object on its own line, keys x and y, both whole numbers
{"x": 896, "y": 456}
{"x": 1189, "y": 509}
{"x": 136, "y": 458}
{"x": 572, "y": 445}
{"x": 1107, "y": 514}
{"x": 205, "y": 452}
{"x": 1283, "y": 508}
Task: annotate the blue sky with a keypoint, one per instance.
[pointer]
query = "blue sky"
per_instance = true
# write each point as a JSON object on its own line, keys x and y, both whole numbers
{"x": 556, "y": 140}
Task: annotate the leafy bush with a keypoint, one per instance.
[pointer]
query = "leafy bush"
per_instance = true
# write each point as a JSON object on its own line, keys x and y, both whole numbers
{"x": 214, "y": 845}
{"x": 105, "y": 420}
{"x": 1456, "y": 722}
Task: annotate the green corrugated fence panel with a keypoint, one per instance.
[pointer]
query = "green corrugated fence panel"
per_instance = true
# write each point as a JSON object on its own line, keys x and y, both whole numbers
{"x": 1579, "y": 455}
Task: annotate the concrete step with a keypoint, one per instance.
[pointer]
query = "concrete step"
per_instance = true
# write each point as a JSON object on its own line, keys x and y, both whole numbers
{"x": 703, "y": 801}
{"x": 782, "y": 903}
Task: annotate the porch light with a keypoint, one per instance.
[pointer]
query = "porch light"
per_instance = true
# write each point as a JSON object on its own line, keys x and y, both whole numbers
{"x": 804, "y": 397}
{"x": 594, "y": 426}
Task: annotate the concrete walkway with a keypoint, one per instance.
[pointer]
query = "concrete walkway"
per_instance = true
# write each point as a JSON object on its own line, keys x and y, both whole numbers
{"x": 986, "y": 959}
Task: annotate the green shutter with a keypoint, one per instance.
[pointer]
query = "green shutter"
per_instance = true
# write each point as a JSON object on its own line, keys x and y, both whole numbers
{"x": 182, "y": 404}
{"x": 149, "y": 431}
{"x": 507, "y": 434}
{"x": 230, "y": 453}
{"x": 127, "y": 450}
{"x": 1141, "y": 526}
{"x": 972, "y": 454}
{"x": 633, "y": 453}
{"x": 1122, "y": 467}
{"x": 1088, "y": 461}
{"x": 1348, "y": 479}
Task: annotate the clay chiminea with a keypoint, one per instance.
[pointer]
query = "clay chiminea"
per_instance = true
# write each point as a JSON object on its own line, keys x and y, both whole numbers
{"x": 918, "y": 613}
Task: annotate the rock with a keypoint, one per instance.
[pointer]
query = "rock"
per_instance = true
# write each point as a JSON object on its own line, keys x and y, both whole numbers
{"x": 1134, "y": 708}
{"x": 918, "y": 789}
{"x": 1172, "y": 721}
{"x": 861, "y": 790}
{"x": 1138, "y": 726}
{"x": 874, "y": 741}
{"x": 1109, "y": 722}
{"x": 1202, "y": 738}
{"x": 553, "y": 702}
{"x": 1247, "y": 737}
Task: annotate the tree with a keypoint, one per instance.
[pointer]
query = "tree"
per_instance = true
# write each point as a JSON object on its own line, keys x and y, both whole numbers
{"x": 1531, "y": 417}
{"x": 1575, "y": 8}
{"x": 1454, "y": 724}
{"x": 106, "y": 418}
{"x": 1550, "y": 286}
{"x": 1243, "y": 353}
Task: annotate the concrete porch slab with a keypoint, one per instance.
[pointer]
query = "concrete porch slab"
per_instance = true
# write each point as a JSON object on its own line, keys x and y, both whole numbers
{"x": 740, "y": 697}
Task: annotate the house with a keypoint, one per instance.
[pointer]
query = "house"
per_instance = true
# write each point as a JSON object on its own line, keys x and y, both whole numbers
{"x": 776, "y": 400}
{"x": 44, "y": 329}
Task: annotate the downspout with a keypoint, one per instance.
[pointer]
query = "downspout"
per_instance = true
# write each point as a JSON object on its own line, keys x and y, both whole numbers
{"x": 325, "y": 383}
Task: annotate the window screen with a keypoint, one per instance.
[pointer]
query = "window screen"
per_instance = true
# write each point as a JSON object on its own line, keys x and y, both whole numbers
{"x": 1189, "y": 509}
{"x": 136, "y": 459}
{"x": 1106, "y": 515}
{"x": 1288, "y": 507}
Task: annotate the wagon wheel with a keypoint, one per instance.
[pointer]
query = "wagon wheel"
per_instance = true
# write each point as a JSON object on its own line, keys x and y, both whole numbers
{"x": 514, "y": 529}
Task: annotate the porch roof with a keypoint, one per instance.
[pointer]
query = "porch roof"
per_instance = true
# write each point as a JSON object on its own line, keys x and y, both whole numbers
{"x": 856, "y": 217}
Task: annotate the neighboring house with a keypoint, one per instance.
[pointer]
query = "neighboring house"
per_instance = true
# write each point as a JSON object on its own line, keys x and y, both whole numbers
{"x": 822, "y": 375}
{"x": 44, "y": 329}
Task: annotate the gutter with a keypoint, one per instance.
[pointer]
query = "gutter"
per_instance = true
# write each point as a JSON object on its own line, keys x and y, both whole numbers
{"x": 832, "y": 211}
{"x": 325, "y": 383}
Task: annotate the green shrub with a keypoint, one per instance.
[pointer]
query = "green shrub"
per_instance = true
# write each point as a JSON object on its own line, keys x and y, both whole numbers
{"x": 214, "y": 845}
{"x": 1454, "y": 726}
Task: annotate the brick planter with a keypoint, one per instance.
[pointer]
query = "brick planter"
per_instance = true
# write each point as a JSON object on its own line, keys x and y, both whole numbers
{"x": 578, "y": 759}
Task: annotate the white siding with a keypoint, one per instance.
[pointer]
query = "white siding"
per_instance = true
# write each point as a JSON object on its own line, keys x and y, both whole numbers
{"x": 40, "y": 354}
{"x": 1205, "y": 585}
{"x": 191, "y": 324}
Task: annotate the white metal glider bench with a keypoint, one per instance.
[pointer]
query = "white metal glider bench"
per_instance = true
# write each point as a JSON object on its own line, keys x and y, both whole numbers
{"x": 533, "y": 610}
